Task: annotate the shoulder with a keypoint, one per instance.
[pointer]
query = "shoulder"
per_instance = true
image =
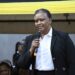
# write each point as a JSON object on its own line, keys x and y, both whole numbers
{"x": 33, "y": 36}
{"x": 16, "y": 56}
{"x": 29, "y": 37}
{"x": 60, "y": 34}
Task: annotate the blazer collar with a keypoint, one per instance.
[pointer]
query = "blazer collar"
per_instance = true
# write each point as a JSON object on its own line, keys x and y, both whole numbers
{"x": 54, "y": 32}
{"x": 53, "y": 39}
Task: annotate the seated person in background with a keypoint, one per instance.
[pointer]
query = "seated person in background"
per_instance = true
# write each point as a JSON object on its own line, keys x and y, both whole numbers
{"x": 17, "y": 54}
{"x": 5, "y": 67}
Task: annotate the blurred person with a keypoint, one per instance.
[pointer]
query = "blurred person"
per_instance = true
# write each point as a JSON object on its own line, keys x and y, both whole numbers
{"x": 18, "y": 52}
{"x": 16, "y": 55}
{"x": 5, "y": 67}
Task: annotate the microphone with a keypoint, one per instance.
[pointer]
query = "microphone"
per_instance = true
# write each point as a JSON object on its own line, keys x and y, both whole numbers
{"x": 37, "y": 36}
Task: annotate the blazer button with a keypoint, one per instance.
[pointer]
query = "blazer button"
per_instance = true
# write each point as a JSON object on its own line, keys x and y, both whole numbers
{"x": 63, "y": 68}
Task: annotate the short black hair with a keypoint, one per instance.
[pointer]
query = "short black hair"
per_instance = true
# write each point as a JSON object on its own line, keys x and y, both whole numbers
{"x": 45, "y": 11}
{"x": 17, "y": 45}
{"x": 7, "y": 63}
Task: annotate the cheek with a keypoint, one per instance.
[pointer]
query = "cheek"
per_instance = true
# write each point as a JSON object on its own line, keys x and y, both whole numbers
{"x": 47, "y": 23}
{"x": 36, "y": 25}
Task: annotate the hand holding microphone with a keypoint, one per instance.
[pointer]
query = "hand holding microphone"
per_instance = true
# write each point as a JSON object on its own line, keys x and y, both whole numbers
{"x": 35, "y": 44}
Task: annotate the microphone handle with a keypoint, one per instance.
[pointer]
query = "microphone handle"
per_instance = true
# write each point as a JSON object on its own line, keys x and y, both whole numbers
{"x": 35, "y": 52}
{"x": 37, "y": 36}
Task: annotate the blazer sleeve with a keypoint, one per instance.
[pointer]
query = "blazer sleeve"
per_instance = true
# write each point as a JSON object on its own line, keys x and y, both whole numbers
{"x": 25, "y": 59}
{"x": 70, "y": 55}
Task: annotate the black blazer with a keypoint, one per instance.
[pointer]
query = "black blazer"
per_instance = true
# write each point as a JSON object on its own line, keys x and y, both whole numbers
{"x": 63, "y": 53}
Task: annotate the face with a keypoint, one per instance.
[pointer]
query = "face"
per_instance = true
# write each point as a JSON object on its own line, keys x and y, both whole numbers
{"x": 20, "y": 48}
{"x": 4, "y": 70}
{"x": 42, "y": 22}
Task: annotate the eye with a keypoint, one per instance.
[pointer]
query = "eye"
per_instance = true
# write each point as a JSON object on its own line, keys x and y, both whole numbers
{"x": 39, "y": 20}
{"x": 42, "y": 19}
{"x": 36, "y": 20}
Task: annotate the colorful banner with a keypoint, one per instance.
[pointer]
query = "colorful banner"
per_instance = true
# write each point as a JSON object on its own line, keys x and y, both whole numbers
{"x": 54, "y": 7}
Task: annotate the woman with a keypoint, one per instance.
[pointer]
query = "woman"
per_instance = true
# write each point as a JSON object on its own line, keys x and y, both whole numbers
{"x": 17, "y": 54}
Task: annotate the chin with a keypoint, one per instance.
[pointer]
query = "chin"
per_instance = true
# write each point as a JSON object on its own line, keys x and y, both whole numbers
{"x": 39, "y": 30}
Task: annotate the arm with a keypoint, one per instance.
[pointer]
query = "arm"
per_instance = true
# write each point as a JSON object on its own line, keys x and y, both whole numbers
{"x": 70, "y": 56}
{"x": 27, "y": 57}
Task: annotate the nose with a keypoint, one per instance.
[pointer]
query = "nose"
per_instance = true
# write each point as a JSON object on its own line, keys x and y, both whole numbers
{"x": 39, "y": 22}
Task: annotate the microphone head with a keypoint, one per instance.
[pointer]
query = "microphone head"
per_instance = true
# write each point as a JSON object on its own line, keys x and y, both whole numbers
{"x": 37, "y": 35}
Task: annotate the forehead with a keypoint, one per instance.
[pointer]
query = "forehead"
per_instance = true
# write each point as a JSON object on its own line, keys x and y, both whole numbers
{"x": 40, "y": 15}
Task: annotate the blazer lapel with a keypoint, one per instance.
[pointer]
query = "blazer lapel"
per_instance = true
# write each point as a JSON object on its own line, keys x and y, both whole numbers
{"x": 53, "y": 41}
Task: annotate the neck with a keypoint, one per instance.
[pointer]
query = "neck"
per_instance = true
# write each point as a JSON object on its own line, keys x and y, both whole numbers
{"x": 45, "y": 32}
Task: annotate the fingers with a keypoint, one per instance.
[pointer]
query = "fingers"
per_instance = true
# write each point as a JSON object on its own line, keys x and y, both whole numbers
{"x": 36, "y": 40}
{"x": 35, "y": 43}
